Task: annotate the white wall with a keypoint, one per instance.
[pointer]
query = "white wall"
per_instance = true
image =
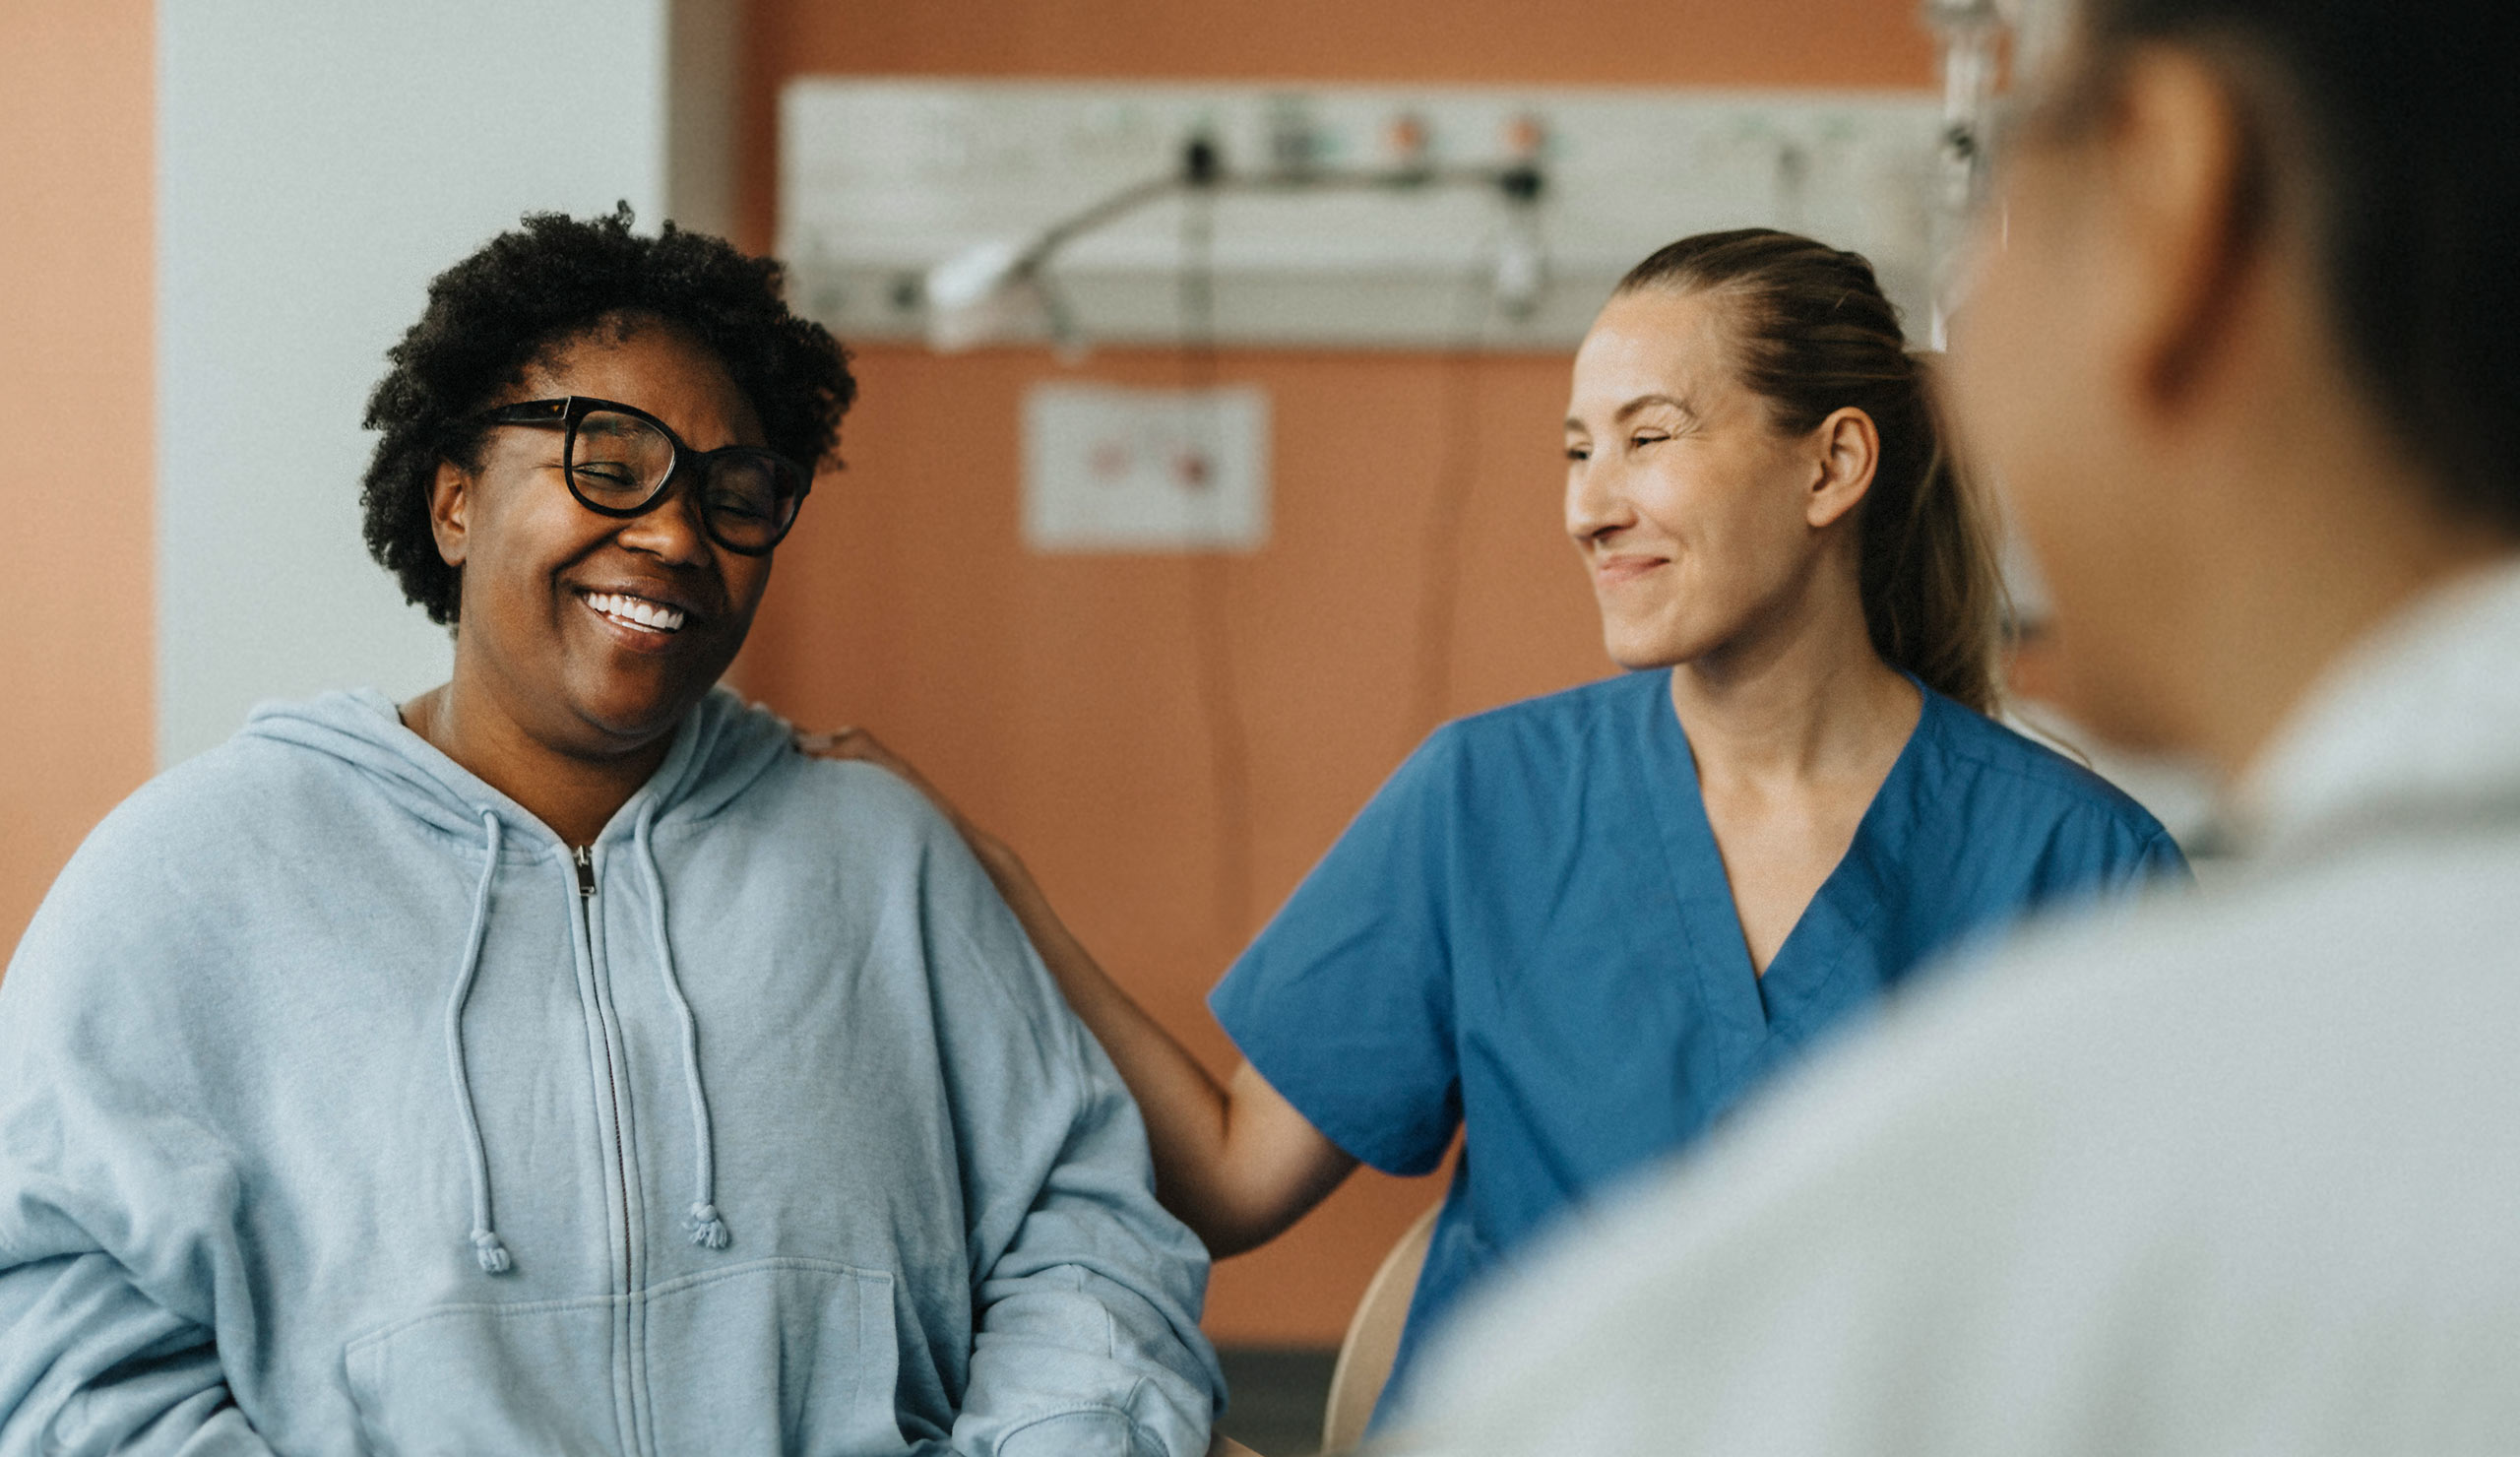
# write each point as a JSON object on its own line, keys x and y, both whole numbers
{"x": 319, "y": 161}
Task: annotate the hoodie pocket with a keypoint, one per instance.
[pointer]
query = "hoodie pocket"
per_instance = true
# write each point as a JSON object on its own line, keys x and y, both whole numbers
{"x": 775, "y": 1356}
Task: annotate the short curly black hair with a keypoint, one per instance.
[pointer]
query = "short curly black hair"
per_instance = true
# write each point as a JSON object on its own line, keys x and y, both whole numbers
{"x": 552, "y": 281}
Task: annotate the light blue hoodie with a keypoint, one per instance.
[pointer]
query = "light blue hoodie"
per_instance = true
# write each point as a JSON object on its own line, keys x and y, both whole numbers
{"x": 333, "y": 1118}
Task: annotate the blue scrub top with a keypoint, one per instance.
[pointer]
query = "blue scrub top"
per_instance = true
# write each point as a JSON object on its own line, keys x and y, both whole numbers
{"x": 1528, "y": 931}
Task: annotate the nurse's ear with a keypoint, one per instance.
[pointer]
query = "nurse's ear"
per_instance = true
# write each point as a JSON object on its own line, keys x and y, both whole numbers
{"x": 450, "y": 511}
{"x": 1846, "y": 449}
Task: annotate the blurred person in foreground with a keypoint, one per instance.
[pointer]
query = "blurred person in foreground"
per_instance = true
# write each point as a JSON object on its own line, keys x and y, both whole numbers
{"x": 2235, "y": 1173}
{"x": 558, "y": 1061}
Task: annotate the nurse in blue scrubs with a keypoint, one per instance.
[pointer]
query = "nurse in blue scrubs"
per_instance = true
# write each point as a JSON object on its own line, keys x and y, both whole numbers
{"x": 1579, "y": 931}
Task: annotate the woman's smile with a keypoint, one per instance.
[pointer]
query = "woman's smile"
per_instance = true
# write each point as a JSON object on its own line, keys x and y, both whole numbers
{"x": 634, "y": 611}
{"x": 1625, "y": 567}
{"x": 640, "y": 618}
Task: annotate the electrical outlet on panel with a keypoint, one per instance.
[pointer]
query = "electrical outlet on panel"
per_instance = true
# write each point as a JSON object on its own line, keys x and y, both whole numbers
{"x": 1295, "y": 140}
{"x": 1107, "y": 468}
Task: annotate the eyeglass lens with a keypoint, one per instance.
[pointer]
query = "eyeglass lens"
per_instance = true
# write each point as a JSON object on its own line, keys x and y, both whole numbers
{"x": 620, "y": 462}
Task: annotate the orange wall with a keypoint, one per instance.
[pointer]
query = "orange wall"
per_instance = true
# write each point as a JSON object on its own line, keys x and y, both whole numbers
{"x": 1171, "y": 742}
{"x": 76, "y": 328}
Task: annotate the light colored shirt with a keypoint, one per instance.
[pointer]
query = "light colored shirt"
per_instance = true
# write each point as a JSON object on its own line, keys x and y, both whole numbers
{"x": 2236, "y": 1173}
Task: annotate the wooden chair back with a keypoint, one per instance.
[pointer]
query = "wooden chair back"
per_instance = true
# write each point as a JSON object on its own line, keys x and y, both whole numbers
{"x": 1373, "y": 1338}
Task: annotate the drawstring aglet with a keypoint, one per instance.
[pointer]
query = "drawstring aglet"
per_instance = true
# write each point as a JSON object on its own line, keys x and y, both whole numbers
{"x": 706, "y": 1230}
{"x": 492, "y": 1254}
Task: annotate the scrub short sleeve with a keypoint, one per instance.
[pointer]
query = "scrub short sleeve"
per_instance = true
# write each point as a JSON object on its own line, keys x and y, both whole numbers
{"x": 2114, "y": 863}
{"x": 1345, "y": 1001}
{"x": 2158, "y": 857}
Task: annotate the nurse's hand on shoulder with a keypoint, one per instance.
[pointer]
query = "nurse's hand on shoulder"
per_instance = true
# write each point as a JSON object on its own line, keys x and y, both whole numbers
{"x": 995, "y": 855}
{"x": 1235, "y": 1162}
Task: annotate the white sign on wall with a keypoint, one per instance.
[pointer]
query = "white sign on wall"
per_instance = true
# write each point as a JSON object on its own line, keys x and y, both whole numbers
{"x": 1107, "y": 468}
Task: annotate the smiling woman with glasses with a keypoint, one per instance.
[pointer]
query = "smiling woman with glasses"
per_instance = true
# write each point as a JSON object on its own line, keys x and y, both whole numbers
{"x": 558, "y": 1060}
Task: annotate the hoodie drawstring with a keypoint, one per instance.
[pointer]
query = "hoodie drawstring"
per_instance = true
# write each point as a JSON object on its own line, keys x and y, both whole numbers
{"x": 487, "y": 1249}
{"x": 707, "y": 1229}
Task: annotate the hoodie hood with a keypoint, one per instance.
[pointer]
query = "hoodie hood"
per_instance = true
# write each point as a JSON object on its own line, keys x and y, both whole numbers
{"x": 719, "y": 749}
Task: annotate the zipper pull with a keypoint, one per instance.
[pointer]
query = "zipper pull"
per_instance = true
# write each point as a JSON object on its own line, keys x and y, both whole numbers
{"x": 586, "y": 870}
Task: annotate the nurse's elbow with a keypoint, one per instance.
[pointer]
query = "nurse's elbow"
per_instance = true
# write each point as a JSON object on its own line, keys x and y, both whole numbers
{"x": 1256, "y": 1194}
{"x": 1226, "y": 1224}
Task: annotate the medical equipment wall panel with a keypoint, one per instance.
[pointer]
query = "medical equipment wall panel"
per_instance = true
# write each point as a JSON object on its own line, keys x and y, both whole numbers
{"x": 883, "y": 180}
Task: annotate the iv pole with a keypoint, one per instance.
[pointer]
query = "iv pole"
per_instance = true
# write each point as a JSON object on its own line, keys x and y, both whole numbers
{"x": 1971, "y": 34}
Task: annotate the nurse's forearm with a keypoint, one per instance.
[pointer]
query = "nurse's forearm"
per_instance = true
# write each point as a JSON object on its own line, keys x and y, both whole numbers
{"x": 1235, "y": 1162}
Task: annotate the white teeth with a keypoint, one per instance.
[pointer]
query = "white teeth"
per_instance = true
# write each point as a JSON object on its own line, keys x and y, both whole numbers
{"x": 624, "y": 607}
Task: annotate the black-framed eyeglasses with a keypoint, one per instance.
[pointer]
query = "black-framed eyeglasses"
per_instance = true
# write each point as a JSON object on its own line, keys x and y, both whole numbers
{"x": 618, "y": 461}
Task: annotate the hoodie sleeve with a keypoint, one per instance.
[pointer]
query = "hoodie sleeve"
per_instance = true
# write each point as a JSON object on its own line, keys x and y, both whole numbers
{"x": 1087, "y": 1293}
{"x": 108, "y": 1197}
{"x": 93, "y": 1365}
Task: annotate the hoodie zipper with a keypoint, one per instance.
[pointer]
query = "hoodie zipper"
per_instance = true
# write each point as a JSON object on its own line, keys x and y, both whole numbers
{"x": 584, "y": 856}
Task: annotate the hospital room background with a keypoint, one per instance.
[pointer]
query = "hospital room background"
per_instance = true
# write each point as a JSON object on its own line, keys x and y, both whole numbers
{"x": 1158, "y": 546}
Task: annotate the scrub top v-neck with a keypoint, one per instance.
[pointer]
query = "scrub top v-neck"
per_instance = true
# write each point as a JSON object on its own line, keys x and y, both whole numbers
{"x": 1528, "y": 933}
